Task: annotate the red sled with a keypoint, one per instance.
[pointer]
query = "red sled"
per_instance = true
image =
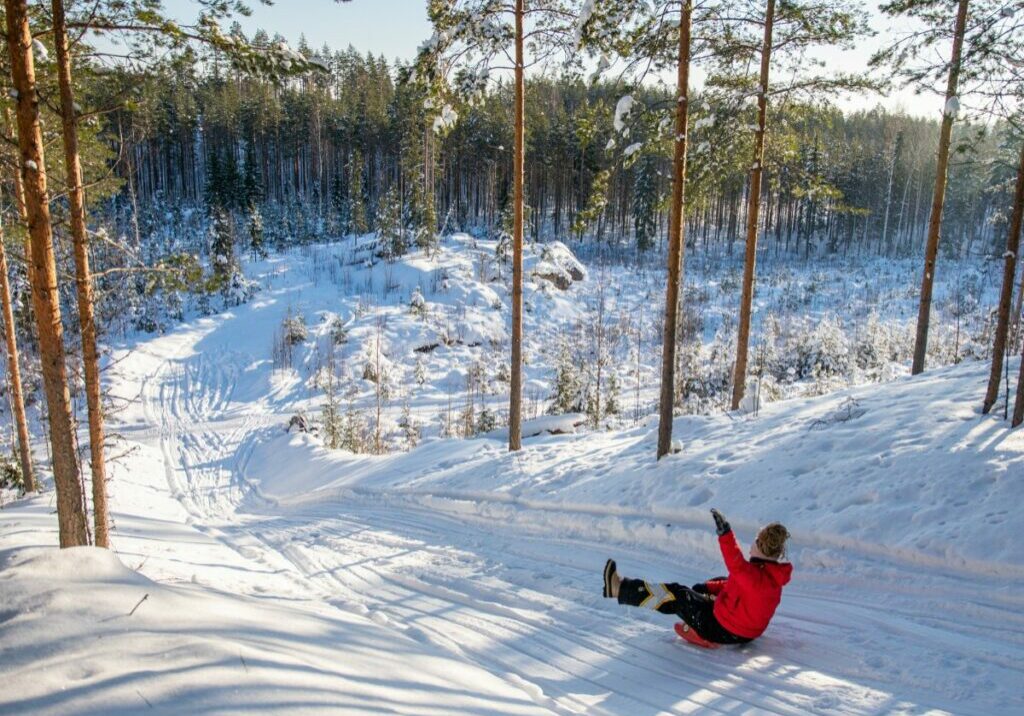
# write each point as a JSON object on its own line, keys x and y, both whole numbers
{"x": 686, "y": 632}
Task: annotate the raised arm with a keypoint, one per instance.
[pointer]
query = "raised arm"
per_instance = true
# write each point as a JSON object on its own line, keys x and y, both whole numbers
{"x": 735, "y": 562}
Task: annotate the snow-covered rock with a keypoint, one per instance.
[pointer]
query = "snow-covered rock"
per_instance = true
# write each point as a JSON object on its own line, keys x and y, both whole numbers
{"x": 557, "y": 265}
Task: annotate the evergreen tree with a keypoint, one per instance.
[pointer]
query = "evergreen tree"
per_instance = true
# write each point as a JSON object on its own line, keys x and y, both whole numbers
{"x": 222, "y": 248}
{"x": 331, "y": 415}
{"x": 472, "y": 33}
{"x": 256, "y": 242}
{"x": 985, "y": 37}
{"x": 357, "y": 223}
{"x": 646, "y": 201}
{"x": 390, "y": 226}
{"x": 567, "y": 396}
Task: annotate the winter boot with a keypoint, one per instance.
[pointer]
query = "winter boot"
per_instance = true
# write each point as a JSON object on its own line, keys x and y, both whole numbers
{"x": 609, "y": 577}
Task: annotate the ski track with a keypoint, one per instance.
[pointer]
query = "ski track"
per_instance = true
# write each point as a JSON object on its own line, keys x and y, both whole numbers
{"x": 526, "y": 605}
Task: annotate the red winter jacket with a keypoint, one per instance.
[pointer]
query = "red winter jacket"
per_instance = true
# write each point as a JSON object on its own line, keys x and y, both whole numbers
{"x": 746, "y": 601}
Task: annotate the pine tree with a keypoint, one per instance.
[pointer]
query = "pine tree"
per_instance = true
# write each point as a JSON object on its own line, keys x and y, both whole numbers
{"x": 788, "y": 31}
{"x": 611, "y": 399}
{"x": 331, "y": 416}
{"x": 83, "y": 278}
{"x": 646, "y": 201}
{"x": 390, "y": 226}
{"x": 491, "y": 29}
{"x": 419, "y": 371}
{"x": 739, "y": 381}
{"x": 222, "y": 247}
{"x": 257, "y": 245}
{"x": 27, "y": 474}
{"x": 632, "y": 27}
{"x": 410, "y": 428}
{"x": 252, "y": 189}
{"x": 357, "y": 223}
{"x": 1010, "y": 259}
{"x": 568, "y": 388}
{"x": 353, "y": 427}
{"x": 71, "y": 516}
{"x": 949, "y": 113}
{"x": 986, "y": 44}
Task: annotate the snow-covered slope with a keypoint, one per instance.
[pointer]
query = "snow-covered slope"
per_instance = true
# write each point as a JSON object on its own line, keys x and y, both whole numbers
{"x": 908, "y": 471}
{"x": 460, "y": 579}
{"x": 82, "y": 633}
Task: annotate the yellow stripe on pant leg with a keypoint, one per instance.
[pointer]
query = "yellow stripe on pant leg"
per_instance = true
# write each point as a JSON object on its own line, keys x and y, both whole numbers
{"x": 657, "y": 596}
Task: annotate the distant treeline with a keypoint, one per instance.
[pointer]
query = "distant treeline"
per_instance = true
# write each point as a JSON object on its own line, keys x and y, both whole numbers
{"x": 318, "y": 154}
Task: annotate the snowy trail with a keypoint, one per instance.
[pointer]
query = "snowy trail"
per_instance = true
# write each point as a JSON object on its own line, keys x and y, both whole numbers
{"x": 524, "y": 603}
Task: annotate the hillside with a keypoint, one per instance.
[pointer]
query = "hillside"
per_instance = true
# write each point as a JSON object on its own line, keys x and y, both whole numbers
{"x": 456, "y": 578}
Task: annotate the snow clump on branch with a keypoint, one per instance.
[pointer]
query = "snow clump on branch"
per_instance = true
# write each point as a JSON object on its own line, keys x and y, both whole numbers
{"x": 622, "y": 110}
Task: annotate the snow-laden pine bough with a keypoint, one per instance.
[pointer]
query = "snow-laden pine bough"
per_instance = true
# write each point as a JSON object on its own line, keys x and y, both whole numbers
{"x": 724, "y": 610}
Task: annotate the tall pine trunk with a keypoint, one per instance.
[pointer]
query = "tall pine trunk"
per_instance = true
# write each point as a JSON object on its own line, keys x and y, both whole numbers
{"x": 739, "y": 381}
{"x": 883, "y": 243}
{"x": 43, "y": 278}
{"x": 1018, "y": 306}
{"x": 1006, "y": 295}
{"x": 939, "y": 195}
{"x": 83, "y": 279}
{"x": 14, "y": 373}
{"x": 515, "y": 401}
{"x": 1018, "y": 406}
{"x": 676, "y": 244}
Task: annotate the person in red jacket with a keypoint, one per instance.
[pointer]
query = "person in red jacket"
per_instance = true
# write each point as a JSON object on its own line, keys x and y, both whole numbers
{"x": 724, "y": 610}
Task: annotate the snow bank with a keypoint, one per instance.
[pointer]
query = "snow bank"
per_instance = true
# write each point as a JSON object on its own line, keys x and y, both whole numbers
{"x": 82, "y": 633}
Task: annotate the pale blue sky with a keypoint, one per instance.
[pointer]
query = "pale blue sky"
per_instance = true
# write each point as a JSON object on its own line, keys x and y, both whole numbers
{"x": 395, "y": 28}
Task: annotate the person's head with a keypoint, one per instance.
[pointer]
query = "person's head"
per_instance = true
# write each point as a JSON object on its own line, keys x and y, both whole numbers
{"x": 770, "y": 542}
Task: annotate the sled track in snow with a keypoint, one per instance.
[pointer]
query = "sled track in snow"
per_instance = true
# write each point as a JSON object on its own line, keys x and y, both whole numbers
{"x": 527, "y": 606}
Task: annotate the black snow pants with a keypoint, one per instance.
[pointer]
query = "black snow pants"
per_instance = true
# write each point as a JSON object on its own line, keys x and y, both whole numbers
{"x": 693, "y": 607}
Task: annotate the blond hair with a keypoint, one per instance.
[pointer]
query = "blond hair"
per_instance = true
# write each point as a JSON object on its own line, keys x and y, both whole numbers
{"x": 771, "y": 540}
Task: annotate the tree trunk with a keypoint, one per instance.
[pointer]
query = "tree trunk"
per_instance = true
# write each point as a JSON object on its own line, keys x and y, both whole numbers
{"x": 43, "y": 278}
{"x": 1006, "y": 295}
{"x": 939, "y": 196}
{"x": 739, "y": 381}
{"x": 515, "y": 402}
{"x": 14, "y": 372}
{"x": 1018, "y": 306}
{"x": 83, "y": 279}
{"x": 675, "y": 236}
{"x": 1018, "y": 405}
{"x": 882, "y": 241}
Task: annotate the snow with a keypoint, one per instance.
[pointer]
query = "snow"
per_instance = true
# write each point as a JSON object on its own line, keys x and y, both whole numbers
{"x": 40, "y": 51}
{"x": 459, "y": 578}
{"x": 586, "y": 12}
{"x": 952, "y": 107}
{"x": 707, "y": 121}
{"x": 191, "y": 649}
{"x": 622, "y": 110}
{"x": 446, "y": 119}
{"x": 632, "y": 149}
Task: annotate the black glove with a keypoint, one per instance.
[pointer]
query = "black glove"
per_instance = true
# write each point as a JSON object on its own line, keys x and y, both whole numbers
{"x": 721, "y": 526}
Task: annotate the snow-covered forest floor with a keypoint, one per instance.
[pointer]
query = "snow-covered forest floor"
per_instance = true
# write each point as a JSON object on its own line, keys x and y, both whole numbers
{"x": 458, "y": 578}
{"x": 442, "y": 325}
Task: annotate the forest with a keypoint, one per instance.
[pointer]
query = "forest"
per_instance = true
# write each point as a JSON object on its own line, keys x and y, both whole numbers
{"x": 198, "y": 145}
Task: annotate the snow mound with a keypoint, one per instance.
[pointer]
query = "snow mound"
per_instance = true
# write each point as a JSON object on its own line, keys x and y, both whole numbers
{"x": 82, "y": 633}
